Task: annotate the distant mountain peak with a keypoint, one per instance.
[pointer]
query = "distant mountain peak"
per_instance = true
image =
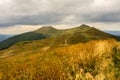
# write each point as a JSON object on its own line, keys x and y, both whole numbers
{"x": 82, "y": 28}
{"x": 47, "y": 27}
{"x": 47, "y": 31}
{"x": 84, "y": 25}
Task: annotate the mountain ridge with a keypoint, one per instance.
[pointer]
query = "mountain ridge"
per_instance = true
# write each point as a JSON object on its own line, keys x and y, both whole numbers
{"x": 81, "y": 33}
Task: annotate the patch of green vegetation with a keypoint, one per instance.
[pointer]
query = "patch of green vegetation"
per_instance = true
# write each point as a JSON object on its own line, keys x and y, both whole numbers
{"x": 116, "y": 60}
{"x": 76, "y": 38}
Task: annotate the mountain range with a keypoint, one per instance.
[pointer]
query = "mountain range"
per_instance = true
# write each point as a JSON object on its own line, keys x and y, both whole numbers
{"x": 117, "y": 33}
{"x": 4, "y": 37}
{"x": 83, "y": 33}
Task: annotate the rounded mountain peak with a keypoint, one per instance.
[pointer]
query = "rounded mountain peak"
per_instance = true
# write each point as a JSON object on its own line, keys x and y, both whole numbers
{"x": 84, "y": 25}
{"x": 46, "y": 28}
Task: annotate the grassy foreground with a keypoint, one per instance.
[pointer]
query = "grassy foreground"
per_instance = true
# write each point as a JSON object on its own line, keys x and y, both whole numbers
{"x": 95, "y": 60}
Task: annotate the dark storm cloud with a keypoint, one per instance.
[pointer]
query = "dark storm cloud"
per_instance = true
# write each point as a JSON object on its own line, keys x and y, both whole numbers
{"x": 39, "y": 12}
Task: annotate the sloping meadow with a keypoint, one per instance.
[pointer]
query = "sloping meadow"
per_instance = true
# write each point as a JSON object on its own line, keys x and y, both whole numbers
{"x": 95, "y": 60}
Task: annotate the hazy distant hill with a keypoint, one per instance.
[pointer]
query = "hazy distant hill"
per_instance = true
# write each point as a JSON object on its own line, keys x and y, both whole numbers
{"x": 3, "y": 37}
{"x": 114, "y": 32}
{"x": 81, "y": 33}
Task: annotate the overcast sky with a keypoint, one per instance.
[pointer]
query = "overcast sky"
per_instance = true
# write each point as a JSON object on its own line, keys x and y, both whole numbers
{"x": 17, "y": 16}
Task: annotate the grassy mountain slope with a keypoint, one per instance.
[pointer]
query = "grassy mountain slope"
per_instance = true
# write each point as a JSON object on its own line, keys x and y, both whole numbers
{"x": 81, "y": 28}
{"x": 48, "y": 31}
{"x": 42, "y": 33}
{"x": 58, "y": 41}
{"x": 95, "y": 60}
{"x": 50, "y": 54}
{"x": 85, "y": 34}
{"x": 91, "y": 34}
{"x": 22, "y": 37}
{"x": 82, "y": 33}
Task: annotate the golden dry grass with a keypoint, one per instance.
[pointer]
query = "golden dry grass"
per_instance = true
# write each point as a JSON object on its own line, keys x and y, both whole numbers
{"x": 95, "y": 60}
